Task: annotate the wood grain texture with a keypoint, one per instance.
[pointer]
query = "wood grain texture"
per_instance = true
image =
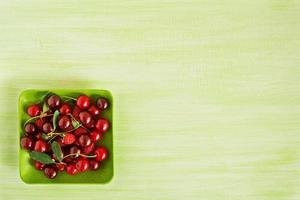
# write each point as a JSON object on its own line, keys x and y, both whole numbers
{"x": 206, "y": 92}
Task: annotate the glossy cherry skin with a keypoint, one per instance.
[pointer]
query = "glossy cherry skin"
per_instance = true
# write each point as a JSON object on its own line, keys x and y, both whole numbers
{"x": 85, "y": 117}
{"x": 41, "y": 146}
{"x": 82, "y": 164}
{"x": 102, "y": 103}
{"x": 54, "y": 101}
{"x": 84, "y": 140}
{"x": 27, "y": 143}
{"x": 50, "y": 172}
{"x": 94, "y": 110}
{"x": 80, "y": 131}
{"x": 38, "y": 165}
{"x": 34, "y": 110}
{"x": 102, "y": 125}
{"x": 94, "y": 165}
{"x": 47, "y": 127}
{"x": 95, "y": 135}
{"x": 59, "y": 140}
{"x": 65, "y": 109}
{"x": 71, "y": 169}
{"x": 39, "y": 123}
{"x": 91, "y": 124}
{"x": 89, "y": 149}
{"x": 75, "y": 150}
{"x": 30, "y": 128}
{"x": 60, "y": 167}
{"x": 76, "y": 112}
{"x": 83, "y": 102}
{"x": 101, "y": 153}
{"x": 69, "y": 139}
{"x": 64, "y": 122}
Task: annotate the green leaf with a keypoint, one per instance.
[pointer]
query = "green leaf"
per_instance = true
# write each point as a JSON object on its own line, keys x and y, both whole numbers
{"x": 75, "y": 123}
{"x": 45, "y": 136}
{"x": 57, "y": 150}
{"x": 41, "y": 157}
{"x": 45, "y": 107}
{"x": 55, "y": 118}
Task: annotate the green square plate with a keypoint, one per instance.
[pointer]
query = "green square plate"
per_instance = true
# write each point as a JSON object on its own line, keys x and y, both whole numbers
{"x": 27, "y": 171}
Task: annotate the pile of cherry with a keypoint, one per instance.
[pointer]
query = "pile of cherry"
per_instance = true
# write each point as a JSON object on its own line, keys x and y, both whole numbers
{"x": 62, "y": 135}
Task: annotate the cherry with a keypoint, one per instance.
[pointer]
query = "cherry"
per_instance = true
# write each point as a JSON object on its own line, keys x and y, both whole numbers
{"x": 102, "y": 125}
{"x": 75, "y": 150}
{"x": 54, "y": 101}
{"x": 83, "y": 102}
{"x": 94, "y": 165}
{"x": 65, "y": 109}
{"x": 64, "y": 122}
{"x": 38, "y": 165}
{"x": 89, "y": 149}
{"x": 59, "y": 140}
{"x": 27, "y": 143}
{"x": 68, "y": 139}
{"x": 39, "y": 136}
{"x": 101, "y": 153}
{"x": 39, "y": 123}
{"x": 30, "y": 128}
{"x": 95, "y": 135}
{"x": 82, "y": 164}
{"x": 85, "y": 117}
{"x": 60, "y": 166}
{"x": 50, "y": 172}
{"x": 47, "y": 127}
{"x": 76, "y": 112}
{"x": 34, "y": 110}
{"x": 102, "y": 103}
{"x": 79, "y": 131}
{"x": 71, "y": 169}
{"x": 41, "y": 146}
{"x": 91, "y": 124}
{"x": 94, "y": 110}
{"x": 84, "y": 140}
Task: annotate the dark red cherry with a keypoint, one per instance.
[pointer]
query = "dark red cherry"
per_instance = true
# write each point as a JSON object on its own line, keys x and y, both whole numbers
{"x": 27, "y": 143}
{"x": 38, "y": 165}
{"x": 69, "y": 139}
{"x": 71, "y": 169}
{"x": 50, "y": 172}
{"x": 94, "y": 165}
{"x": 83, "y": 102}
{"x": 34, "y": 110}
{"x": 82, "y": 164}
{"x": 85, "y": 117}
{"x": 102, "y": 103}
{"x": 64, "y": 122}
{"x": 65, "y": 109}
{"x": 84, "y": 140}
{"x": 80, "y": 131}
{"x": 94, "y": 110}
{"x": 60, "y": 166}
{"x": 95, "y": 135}
{"x": 47, "y": 127}
{"x": 30, "y": 128}
{"x": 101, "y": 153}
{"x": 102, "y": 125}
{"x": 75, "y": 150}
{"x": 41, "y": 146}
{"x": 89, "y": 149}
{"x": 54, "y": 101}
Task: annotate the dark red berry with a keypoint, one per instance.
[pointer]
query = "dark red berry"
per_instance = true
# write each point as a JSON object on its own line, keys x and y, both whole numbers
{"x": 91, "y": 124}
{"x": 102, "y": 103}
{"x": 47, "y": 127}
{"x": 83, "y": 102}
{"x": 38, "y": 165}
{"x": 41, "y": 146}
{"x": 84, "y": 140}
{"x": 68, "y": 139}
{"x": 27, "y": 143}
{"x": 75, "y": 150}
{"x": 82, "y": 164}
{"x": 50, "y": 172}
{"x": 30, "y": 128}
{"x": 59, "y": 140}
{"x": 54, "y": 101}
{"x": 85, "y": 117}
{"x": 95, "y": 135}
{"x": 102, "y": 125}
{"x": 39, "y": 136}
{"x": 65, "y": 109}
{"x": 76, "y": 112}
{"x": 34, "y": 110}
{"x": 80, "y": 131}
{"x": 60, "y": 166}
{"x": 94, "y": 165}
{"x": 101, "y": 153}
{"x": 89, "y": 149}
{"x": 64, "y": 122}
{"x": 94, "y": 110}
{"x": 39, "y": 123}
{"x": 71, "y": 169}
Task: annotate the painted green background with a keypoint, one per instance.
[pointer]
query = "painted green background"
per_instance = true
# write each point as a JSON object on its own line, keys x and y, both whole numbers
{"x": 206, "y": 93}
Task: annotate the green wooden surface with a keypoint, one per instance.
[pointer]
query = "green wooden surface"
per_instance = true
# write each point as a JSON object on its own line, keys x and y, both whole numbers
{"x": 206, "y": 93}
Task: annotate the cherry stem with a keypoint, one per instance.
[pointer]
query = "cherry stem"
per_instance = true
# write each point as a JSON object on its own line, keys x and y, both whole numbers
{"x": 80, "y": 125}
{"x": 36, "y": 117}
{"x": 68, "y": 97}
{"x": 78, "y": 154}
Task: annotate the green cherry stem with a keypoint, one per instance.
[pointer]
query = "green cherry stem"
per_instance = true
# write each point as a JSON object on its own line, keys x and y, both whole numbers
{"x": 68, "y": 97}
{"x": 36, "y": 117}
{"x": 78, "y": 154}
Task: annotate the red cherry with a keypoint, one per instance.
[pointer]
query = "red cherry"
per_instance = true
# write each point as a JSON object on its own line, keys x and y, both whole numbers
{"x": 85, "y": 117}
{"x": 83, "y": 102}
{"x": 75, "y": 150}
{"x": 59, "y": 140}
{"x": 39, "y": 123}
{"x": 82, "y": 164}
{"x": 89, "y": 149}
{"x": 102, "y": 103}
{"x": 34, "y": 110}
{"x": 50, "y": 172}
{"x": 71, "y": 169}
{"x": 94, "y": 110}
{"x": 47, "y": 127}
{"x": 41, "y": 146}
{"x": 94, "y": 165}
{"x": 60, "y": 166}
{"x": 27, "y": 143}
{"x": 68, "y": 139}
{"x": 65, "y": 109}
{"x": 102, "y": 125}
{"x": 54, "y": 101}
{"x": 91, "y": 124}
{"x": 38, "y": 165}
{"x": 84, "y": 140}
{"x": 95, "y": 135}
{"x": 80, "y": 131}
{"x": 39, "y": 136}
{"x": 30, "y": 128}
{"x": 64, "y": 122}
{"x": 101, "y": 153}
{"x": 76, "y": 112}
